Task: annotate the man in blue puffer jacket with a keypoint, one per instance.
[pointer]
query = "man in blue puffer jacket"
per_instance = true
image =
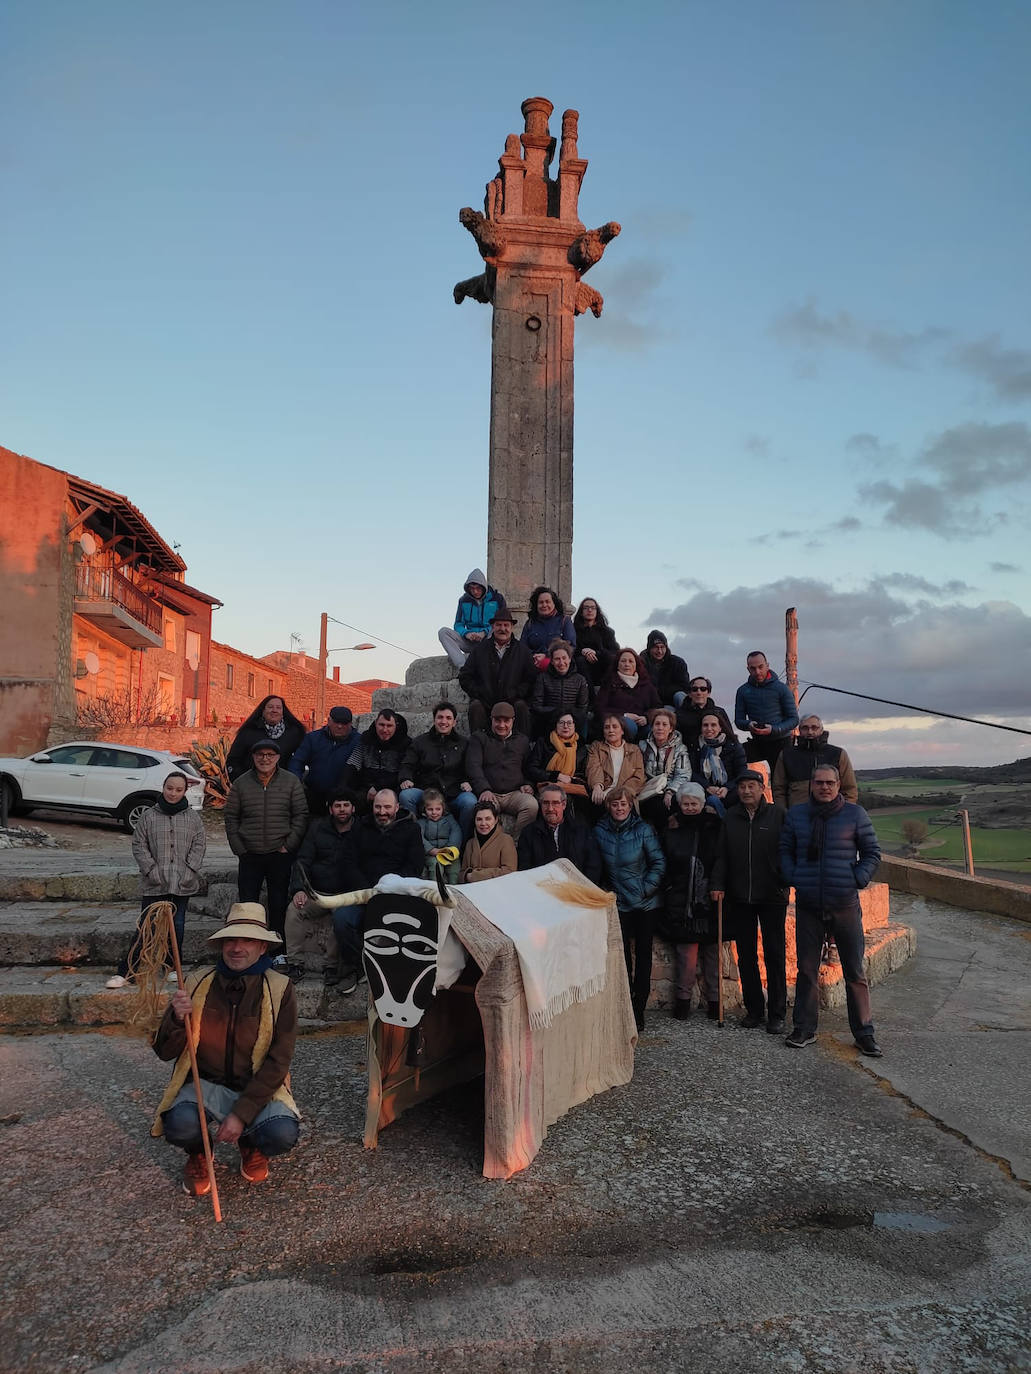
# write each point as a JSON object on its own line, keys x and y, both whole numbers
{"x": 828, "y": 853}
{"x": 477, "y": 607}
{"x": 766, "y": 708}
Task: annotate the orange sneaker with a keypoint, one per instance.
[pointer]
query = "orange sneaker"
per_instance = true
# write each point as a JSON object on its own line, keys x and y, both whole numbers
{"x": 253, "y": 1164}
{"x": 195, "y": 1176}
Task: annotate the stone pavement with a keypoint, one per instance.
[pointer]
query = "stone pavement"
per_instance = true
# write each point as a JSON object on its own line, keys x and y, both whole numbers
{"x": 738, "y": 1206}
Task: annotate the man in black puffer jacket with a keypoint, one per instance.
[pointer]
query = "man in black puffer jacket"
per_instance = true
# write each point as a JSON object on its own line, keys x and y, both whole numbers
{"x": 828, "y": 852}
{"x": 747, "y": 873}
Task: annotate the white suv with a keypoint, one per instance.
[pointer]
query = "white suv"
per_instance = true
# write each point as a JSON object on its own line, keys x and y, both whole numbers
{"x": 107, "y": 779}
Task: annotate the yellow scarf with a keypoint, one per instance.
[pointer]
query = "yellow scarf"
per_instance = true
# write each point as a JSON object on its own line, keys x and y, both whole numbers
{"x": 563, "y": 760}
{"x": 198, "y": 985}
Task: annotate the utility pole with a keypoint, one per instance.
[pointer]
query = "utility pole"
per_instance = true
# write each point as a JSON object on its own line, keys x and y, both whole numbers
{"x": 320, "y": 694}
{"x": 791, "y": 650}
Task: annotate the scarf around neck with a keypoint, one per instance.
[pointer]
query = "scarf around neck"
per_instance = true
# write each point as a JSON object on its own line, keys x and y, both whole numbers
{"x": 631, "y": 679}
{"x": 712, "y": 761}
{"x": 821, "y": 812}
{"x": 274, "y": 731}
{"x": 563, "y": 760}
{"x": 171, "y": 808}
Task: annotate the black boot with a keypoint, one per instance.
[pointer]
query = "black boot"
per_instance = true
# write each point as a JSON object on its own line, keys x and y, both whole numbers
{"x": 639, "y": 1013}
{"x": 712, "y": 1010}
{"x": 681, "y": 1009}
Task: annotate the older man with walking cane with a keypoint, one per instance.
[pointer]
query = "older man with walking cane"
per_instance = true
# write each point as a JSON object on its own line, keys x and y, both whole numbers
{"x": 243, "y": 1017}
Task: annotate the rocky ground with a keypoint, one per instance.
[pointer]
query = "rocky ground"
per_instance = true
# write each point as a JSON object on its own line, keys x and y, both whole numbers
{"x": 739, "y": 1205}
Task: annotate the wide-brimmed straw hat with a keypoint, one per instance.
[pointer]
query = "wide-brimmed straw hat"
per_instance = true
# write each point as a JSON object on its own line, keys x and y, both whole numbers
{"x": 246, "y": 921}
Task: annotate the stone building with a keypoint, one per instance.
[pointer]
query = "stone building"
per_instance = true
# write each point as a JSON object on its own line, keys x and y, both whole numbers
{"x": 101, "y": 634}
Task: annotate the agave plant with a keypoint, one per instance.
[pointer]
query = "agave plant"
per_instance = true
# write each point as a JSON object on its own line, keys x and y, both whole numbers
{"x": 210, "y": 762}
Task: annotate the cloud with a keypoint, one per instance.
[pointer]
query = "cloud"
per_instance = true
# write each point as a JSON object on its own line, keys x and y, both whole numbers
{"x": 805, "y": 327}
{"x": 910, "y": 582}
{"x": 890, "y": 637}
{"x": 630, "y": 320}
{"x": 1005, "y": 567}
{"x": 970, "y": 458}
{"x": 964, "y": 462}
{"x": 1007, "y": 370}
{"x": 758, "y": 444}
{"x": 814, "y": 537}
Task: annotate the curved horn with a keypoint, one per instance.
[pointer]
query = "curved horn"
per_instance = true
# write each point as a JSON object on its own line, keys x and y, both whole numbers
{"x": 357, "y": 898}
{"x": 442, "y": 897}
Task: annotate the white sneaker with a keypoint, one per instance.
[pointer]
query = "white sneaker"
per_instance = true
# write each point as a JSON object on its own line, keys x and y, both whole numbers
{"x": 171, "y": 978}
{"x": 117, "y": 981}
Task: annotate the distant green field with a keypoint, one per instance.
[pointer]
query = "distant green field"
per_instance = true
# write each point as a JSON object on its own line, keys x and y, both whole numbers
{"x": 905, "y": 787}
{"x": 1002, "y": 849}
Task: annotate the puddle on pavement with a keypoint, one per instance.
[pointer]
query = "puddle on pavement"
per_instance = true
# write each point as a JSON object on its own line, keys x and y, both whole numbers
{"x": 916, "y": 1222}
{"x": 908, "y": 1221}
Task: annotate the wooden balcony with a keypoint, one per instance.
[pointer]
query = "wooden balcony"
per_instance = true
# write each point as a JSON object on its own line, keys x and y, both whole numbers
{"x": 105, "y": 597}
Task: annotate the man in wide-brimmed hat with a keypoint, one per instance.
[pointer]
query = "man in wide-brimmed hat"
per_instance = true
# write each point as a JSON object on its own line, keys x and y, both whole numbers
{"x": 244, "y": 1018}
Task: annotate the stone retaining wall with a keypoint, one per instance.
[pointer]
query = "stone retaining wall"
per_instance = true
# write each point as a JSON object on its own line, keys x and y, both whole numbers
{"x": 958, "y": 889}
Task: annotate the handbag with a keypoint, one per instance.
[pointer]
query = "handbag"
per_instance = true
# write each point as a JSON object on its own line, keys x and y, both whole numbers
{"x": 654, "y": 787}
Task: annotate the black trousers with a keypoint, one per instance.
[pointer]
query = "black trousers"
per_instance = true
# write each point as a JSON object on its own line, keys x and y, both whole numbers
{"x": 273, "y": 870}
{"x": 766, "y": 747}
{"x": 846, "y": 925}
{"x": 638, "y": 927}
{"x": 748, "y": 918}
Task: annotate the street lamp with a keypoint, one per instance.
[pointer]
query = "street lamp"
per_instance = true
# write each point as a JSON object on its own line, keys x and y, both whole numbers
{"x": 320, "y": 695}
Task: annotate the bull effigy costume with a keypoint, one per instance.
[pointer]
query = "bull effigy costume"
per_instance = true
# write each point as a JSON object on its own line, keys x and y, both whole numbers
{"x": 520, "y": 979}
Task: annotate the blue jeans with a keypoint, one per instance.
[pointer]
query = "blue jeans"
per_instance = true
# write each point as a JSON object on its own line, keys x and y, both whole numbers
{"x": 273, "y": 1131}
{"x": 347, "y": 927}
{"x": 679, "y": 698}
{"x": 630, "y": 728}
{"x": 132, "y": 959}
{"x": 461, "y": 807}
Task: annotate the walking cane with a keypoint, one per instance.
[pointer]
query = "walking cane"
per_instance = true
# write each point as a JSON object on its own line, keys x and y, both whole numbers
{"x": 191, "y": 1045}
{"x": 719, "y": 958}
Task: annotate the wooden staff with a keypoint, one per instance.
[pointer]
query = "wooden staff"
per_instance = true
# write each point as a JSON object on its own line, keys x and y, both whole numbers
{"x": 191, "y": 1045}
{"x": 719, "y": 959}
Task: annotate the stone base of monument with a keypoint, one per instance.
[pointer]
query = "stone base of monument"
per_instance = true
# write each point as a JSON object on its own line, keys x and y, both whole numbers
{"x": 427, "y": 681}
{"x": 888, "y": 946}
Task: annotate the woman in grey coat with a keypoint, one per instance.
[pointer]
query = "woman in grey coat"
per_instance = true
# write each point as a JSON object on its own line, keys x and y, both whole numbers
{"x": 168, "y": 846}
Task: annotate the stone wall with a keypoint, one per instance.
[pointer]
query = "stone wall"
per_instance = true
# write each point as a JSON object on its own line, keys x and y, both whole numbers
{"x": 958, "y": 889}
{"x": 31, "y": 586}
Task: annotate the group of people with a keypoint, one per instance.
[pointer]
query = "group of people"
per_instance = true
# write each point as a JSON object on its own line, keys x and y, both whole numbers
{"x": 662, "y": 808}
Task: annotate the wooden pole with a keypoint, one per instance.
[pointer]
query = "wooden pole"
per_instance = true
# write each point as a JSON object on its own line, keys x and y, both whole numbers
{"x": 320, "y": 694}
{"x": 719, "y": 960}
{"x": 968, "y": 849}
{"x": 191, "y": 1045}
{"x": 791, "y": 650}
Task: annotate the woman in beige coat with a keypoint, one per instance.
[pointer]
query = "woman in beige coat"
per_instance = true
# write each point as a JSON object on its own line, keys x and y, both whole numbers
{"x": 489, "y": 853}
{"x": 614, "y": 762}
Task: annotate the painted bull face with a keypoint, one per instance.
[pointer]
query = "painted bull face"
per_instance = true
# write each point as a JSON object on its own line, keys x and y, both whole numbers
{"x": 401, "y": 935}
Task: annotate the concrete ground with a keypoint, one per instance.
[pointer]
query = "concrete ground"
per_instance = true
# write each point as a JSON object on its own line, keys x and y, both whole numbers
{"x": 738, "y": 1206}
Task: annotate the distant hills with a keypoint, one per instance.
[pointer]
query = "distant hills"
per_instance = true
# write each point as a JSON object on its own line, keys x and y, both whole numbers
{"x": 1019, "y": 771}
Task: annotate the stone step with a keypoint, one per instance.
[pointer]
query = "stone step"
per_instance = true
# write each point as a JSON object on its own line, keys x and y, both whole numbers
{"x": 71, "y": 880}
{"x": 421, "y": 696}
{"x": 39, "y": 996}
{"x": 64, "y": 933}
{"x": 436, "y": 669}
{"x": 216, "y": 901}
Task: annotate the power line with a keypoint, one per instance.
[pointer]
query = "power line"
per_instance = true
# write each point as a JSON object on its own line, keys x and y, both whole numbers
{"x": 908, "y": 706}
{"x": 368, "y": 633}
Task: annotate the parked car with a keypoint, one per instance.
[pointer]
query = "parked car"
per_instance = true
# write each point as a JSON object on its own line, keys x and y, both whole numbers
{"x": 106, "y": 779}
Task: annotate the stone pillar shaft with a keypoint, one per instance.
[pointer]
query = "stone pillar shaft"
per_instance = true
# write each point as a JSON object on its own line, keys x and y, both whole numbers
{"x": 536, "y": 251}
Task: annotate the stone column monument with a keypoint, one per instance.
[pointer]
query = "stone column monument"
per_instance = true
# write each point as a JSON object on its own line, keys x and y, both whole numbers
{"x": 535, "y": 251}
